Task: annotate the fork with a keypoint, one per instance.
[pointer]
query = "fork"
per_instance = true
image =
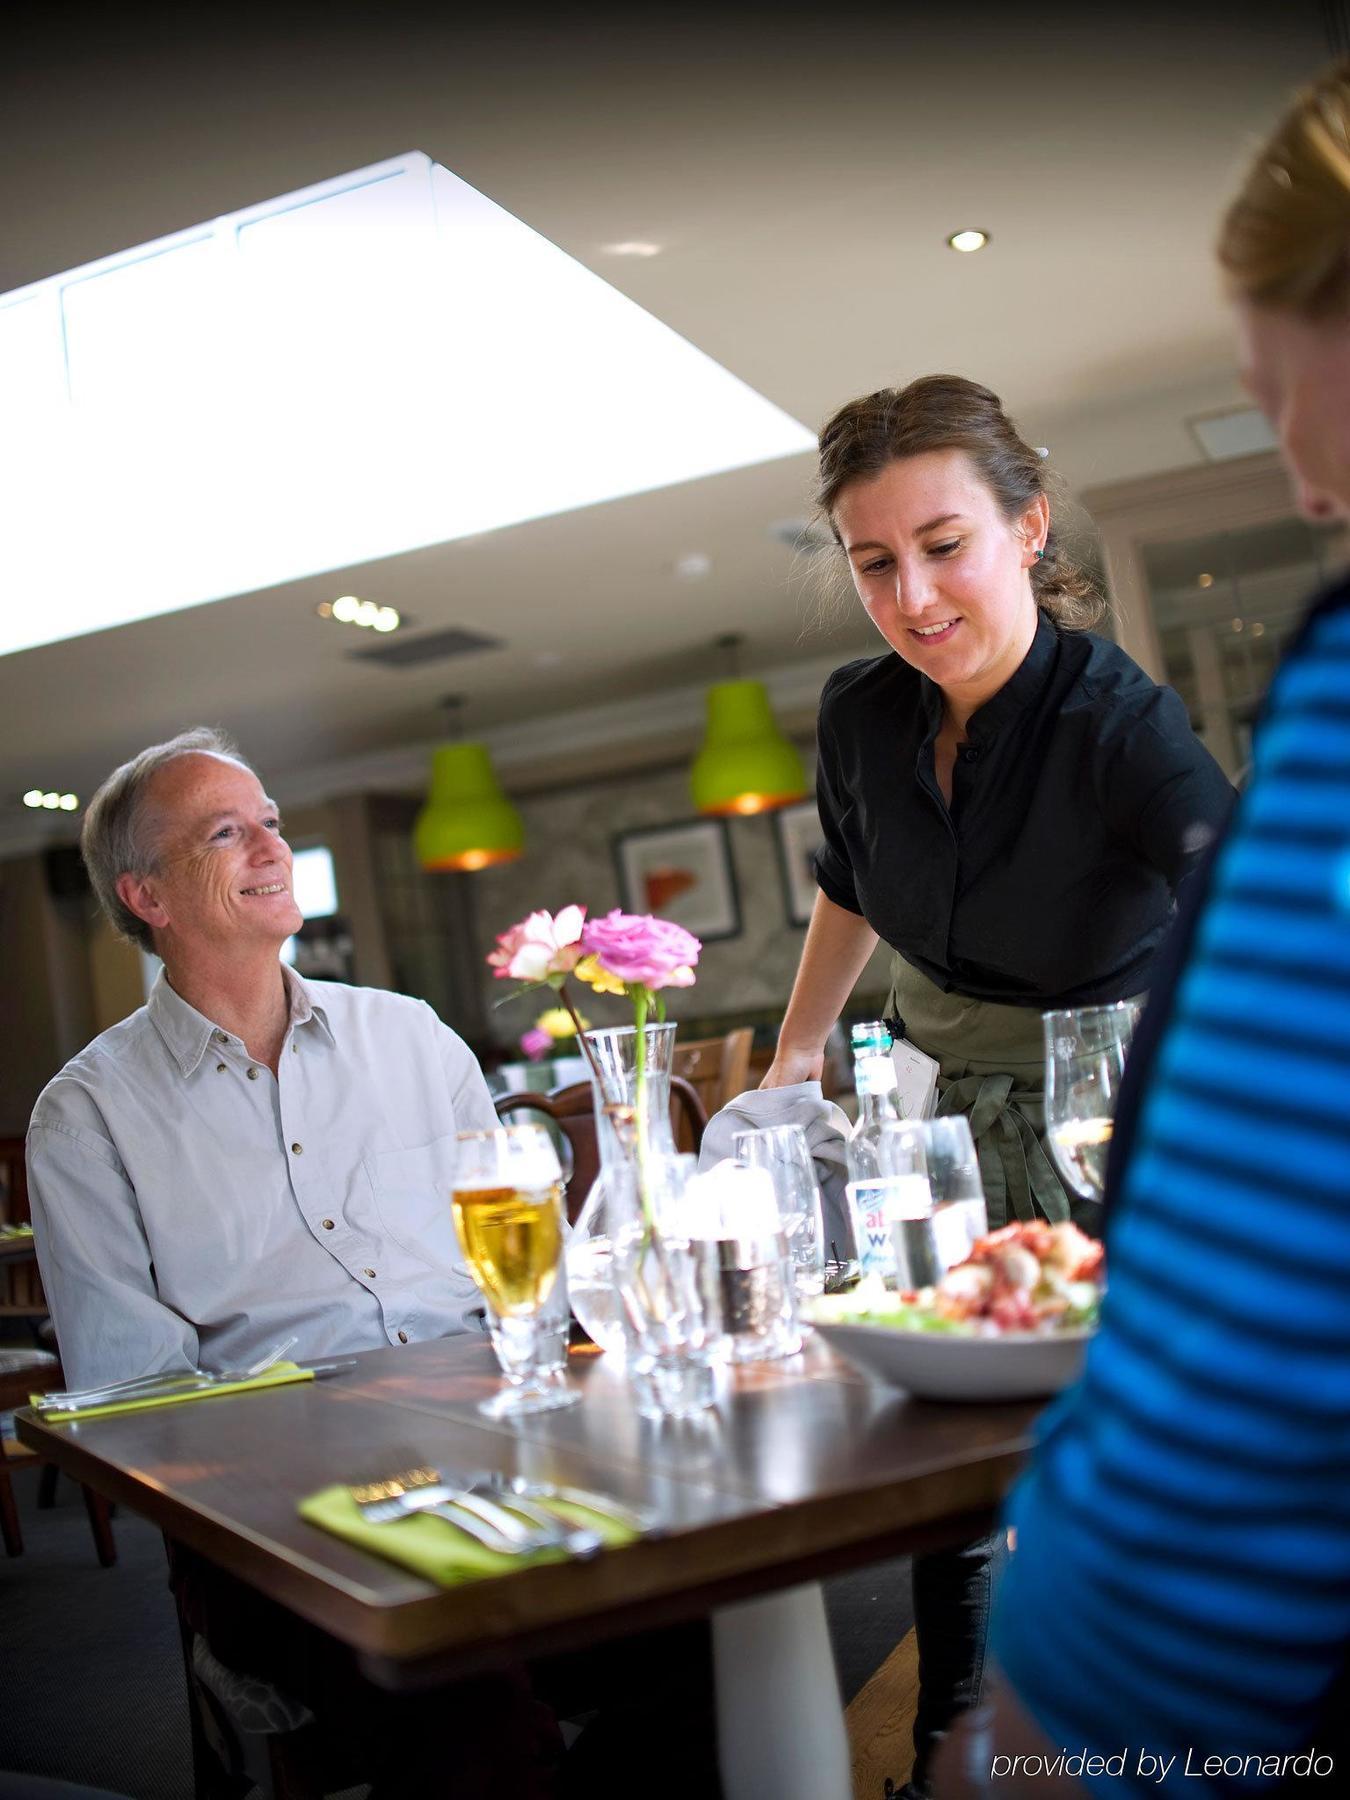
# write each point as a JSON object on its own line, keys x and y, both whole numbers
{"x": 422, "y": 1490}
{"x": 73, "y": 1399}
{"x": 644, "y": 1523}
{"x": 578, "y": 1540}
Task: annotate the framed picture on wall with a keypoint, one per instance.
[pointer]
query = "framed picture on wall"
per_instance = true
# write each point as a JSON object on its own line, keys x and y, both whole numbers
{"x": 682, "y": 873}
{"x": 799, "y": 837}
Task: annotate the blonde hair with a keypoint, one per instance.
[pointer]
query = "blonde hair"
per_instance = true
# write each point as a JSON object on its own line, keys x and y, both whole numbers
{"x": 1285, "y": 240}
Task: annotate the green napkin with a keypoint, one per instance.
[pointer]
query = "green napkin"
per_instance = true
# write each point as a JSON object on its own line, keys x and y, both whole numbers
{"x": 277, "y": 1376}
{"x": 436, "y": 1549}
{"x": 13, "y": 1231}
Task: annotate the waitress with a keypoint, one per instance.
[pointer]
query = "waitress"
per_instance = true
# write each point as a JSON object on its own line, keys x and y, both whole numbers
{"x": 1007, "y": 801}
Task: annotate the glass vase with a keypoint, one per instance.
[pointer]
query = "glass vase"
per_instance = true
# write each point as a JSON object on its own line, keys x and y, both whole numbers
{"x": 627, "y": 1112}
{"x": 666, "y": 1285}
{"x": 642, "y": 1287}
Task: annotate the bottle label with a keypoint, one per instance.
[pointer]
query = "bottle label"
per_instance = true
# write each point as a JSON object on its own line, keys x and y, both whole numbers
{"x": 872, "y": 1226}
{"x": 874, "y": 1075}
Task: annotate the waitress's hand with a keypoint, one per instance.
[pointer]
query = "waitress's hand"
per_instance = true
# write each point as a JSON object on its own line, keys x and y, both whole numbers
{"x": 790, "y": 1066}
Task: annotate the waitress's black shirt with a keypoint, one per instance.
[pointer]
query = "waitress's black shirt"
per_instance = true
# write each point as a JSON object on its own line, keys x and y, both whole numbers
{"x": 1080, "y": 800}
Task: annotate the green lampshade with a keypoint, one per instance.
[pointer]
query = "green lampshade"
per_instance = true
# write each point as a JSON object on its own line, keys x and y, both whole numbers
{"x": 467, "y": 822}
{"x": 746, "y": 765}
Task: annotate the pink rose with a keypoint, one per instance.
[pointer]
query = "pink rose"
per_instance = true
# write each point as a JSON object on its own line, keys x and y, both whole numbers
{"x": 641, "y": 950}
{"x": 540, "y": 946}
{"x": 536, "y": 1043}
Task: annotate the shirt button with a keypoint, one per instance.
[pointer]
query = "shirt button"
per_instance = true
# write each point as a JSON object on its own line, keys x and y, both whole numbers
{"x": 295, "y": 1049}
{"x": 328, "y": 1224}
{"x": 369, "y": 1272}
{"x": 220, "y": 1068}
{"x": 253, "y": 1074}
{"x": 297, "y": 1149}
{"x": 221, "y": 1038}
{"x": 402, "y": 1337}
{"x": 970, "y": 754}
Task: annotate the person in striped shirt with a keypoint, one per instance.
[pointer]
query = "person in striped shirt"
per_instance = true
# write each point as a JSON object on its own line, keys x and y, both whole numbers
{"x": 1177, "y": 1612}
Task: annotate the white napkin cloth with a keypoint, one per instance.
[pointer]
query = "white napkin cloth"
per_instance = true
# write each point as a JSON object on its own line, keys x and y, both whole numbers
{"x": 826, "y": 1126}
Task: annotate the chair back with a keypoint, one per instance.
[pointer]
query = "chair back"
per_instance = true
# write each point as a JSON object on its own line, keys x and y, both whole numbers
{"x": 13, "y": 1182}
{"x": 717, "y": 1068}
{"x": 572, "y": 1111}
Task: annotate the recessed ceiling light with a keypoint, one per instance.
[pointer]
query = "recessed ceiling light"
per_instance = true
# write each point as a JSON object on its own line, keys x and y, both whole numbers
{"x": 348, "y": 610}
{"x": 694, "y": 566}
{"x": 632, "y": 247}
{"x": 968, "y": 240}
{"x": 1205, "y": 581}
{"x": 51, "y": 802}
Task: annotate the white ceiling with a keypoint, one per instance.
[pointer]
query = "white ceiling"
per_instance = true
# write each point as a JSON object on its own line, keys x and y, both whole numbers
{"x": 801, "y": 178}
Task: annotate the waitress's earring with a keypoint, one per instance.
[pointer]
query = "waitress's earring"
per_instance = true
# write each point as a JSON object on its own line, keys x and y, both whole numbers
{"x": 1040, "y": 554}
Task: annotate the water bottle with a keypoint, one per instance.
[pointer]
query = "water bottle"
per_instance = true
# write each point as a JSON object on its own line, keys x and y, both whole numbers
{"x": 877, "y": 1088}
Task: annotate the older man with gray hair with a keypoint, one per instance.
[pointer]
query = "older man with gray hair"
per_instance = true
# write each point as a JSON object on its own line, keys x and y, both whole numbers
{"x": 247, "y": 1157}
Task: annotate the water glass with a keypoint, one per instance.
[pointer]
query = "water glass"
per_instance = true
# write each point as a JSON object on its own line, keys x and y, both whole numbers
{"x": 507, "y": 1203}
{"x": 1085, "y": 1051}
{"x": 960, "y": 1214}
{"x": 932, "y": 1194}
{"x": 783, "y": 1151}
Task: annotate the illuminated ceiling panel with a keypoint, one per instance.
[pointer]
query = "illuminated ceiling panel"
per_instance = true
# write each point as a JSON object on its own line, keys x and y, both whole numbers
{"x": 385, "y": 361}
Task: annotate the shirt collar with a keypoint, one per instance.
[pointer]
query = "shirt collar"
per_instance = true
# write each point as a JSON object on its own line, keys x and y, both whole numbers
{"x": 1022, "y": 689}
{"x": 186, "y": 1032}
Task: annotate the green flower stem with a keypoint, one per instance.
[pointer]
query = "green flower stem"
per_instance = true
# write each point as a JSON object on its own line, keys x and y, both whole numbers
{"x": 587, "y": 1050}
{"x": 641, "y": 1002}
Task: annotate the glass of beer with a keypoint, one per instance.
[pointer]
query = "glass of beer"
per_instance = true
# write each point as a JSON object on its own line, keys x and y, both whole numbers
{"x": 508, "y": 1208}
{"x": 1085, "y": 1050}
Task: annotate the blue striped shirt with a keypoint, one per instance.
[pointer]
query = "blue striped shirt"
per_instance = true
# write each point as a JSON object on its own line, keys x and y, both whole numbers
{"x": 1181, "y": 1586}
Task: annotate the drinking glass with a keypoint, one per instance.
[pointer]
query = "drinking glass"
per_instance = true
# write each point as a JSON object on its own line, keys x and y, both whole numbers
{"x": 1085, "y": 1050}
{"x": 784, "y": 1152}
{"x": 508, "y": 1211}
{"x": 960, "y": 1214}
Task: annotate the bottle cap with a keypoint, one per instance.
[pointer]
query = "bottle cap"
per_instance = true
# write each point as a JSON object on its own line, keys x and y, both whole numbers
{"x": 871, "y": 1035}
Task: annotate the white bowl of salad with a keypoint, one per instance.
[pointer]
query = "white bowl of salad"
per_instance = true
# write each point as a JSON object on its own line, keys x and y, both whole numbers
{"x": 1012, "y": 1322}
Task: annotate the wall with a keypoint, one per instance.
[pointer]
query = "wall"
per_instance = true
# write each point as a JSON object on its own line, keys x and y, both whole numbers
{"x": 569, "y": 856}
{"x": 46, "y": 998}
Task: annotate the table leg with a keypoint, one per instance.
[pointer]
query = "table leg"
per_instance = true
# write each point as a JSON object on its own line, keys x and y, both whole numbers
{"x": 780, "y": 1724}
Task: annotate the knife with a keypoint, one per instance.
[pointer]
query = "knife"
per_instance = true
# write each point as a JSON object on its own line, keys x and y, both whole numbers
{"x": 154, "y": 1388}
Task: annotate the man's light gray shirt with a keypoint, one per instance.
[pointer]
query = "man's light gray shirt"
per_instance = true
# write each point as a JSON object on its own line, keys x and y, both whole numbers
{"x": 190, "y": 1206}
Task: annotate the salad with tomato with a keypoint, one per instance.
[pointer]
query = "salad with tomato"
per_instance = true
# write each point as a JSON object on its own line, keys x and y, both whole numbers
{"x": 1026, "y": 1277}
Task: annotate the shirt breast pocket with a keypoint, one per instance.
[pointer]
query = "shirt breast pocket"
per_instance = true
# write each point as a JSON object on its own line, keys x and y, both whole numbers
{"x": 412, "y": 1198}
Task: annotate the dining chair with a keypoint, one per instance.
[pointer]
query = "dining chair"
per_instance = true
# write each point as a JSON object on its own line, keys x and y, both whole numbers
{"x": 572, "y": 1111}
{"x": 21, "y": 1296}
{"x": 718, "y": 1068}
{"x": 24, "y": 1372}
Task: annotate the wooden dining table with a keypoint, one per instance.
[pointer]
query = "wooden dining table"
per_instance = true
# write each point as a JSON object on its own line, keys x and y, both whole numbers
{"x": 804, "y": 1467}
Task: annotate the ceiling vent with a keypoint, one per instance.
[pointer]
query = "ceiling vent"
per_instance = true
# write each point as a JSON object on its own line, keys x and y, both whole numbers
{"x": 432, "y": 646}
{"x": 1242, "y": 432}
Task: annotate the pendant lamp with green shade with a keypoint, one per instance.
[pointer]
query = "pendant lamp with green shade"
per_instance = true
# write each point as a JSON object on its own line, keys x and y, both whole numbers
{"x": 467, "y": 822}
{"x": 746, "y": 764}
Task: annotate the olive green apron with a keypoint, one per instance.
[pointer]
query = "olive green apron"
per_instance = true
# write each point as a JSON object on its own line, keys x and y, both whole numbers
{"x": 991, "y": 1062}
